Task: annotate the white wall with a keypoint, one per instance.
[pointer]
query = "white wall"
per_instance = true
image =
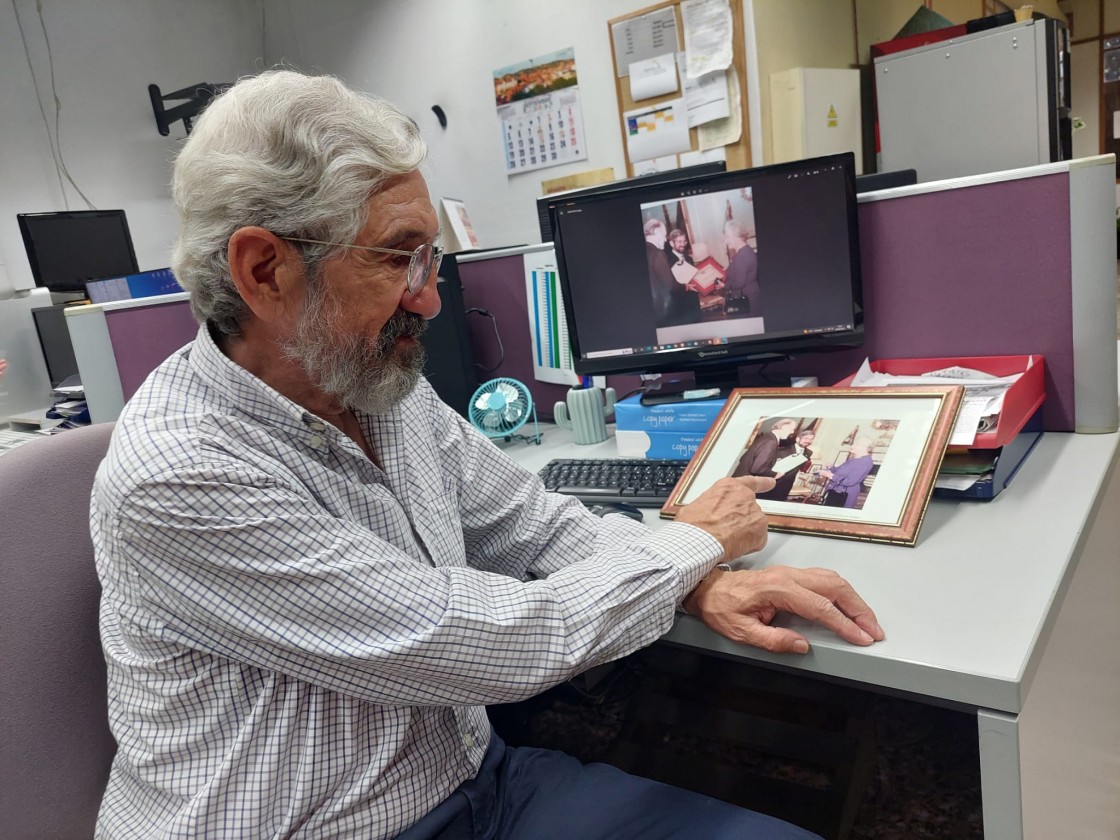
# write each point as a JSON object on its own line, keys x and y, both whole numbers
{"x": 104, "y": 54}
{"x": 420, "y": 53}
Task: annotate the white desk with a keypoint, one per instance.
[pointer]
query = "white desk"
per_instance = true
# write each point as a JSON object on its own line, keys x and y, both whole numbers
{"x": 1008, "y": 608}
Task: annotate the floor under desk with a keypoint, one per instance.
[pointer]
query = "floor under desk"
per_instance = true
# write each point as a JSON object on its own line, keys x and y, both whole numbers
{"x": 848, "y": 764}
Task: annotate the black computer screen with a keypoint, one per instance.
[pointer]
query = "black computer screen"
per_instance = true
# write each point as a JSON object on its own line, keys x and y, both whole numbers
{"x": 68, "y": 249}
{"x": 54, "y": 338}
{"x": 768, "y": 266}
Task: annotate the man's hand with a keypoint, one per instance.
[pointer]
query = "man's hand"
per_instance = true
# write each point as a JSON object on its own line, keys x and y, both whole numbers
{"x": 741, "y": 604}
{"x": 727, "y": 510}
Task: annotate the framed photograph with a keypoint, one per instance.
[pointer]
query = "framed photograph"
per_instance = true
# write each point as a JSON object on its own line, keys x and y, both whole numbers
{"x": 857, "y": 463}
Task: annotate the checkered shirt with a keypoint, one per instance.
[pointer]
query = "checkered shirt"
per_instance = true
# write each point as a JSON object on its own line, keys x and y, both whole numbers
{"x": 300, "y": 643}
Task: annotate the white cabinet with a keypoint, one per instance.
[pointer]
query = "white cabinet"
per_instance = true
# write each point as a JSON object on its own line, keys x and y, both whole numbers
{"x": 815, "y": 111}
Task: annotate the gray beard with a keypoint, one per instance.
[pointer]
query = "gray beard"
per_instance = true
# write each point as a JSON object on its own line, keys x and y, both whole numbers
{"x": 366, "y": 376}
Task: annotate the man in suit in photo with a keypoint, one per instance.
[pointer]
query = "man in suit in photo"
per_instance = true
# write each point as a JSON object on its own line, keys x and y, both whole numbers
{"x": 784, "y": 484}
{"x": 673, "y": 304}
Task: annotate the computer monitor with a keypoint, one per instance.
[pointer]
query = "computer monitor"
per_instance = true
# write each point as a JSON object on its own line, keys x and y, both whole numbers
{"x": 54, "y": 338}
{"x": 874, "y": 181}
{"x": 450, "y": 364}
{"x": 545, "y": 202}
{"x": 770, "y": 267}
{"x": 68, "y": 249}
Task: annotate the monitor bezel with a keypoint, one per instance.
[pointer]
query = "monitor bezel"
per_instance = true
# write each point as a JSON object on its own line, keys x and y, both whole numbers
{"x": 738, "y": 353}
{"x": 27, "y": 221}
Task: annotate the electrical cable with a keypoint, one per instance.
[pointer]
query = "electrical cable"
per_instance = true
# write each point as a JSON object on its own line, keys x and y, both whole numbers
{"x": 39, "y": 102}
{"x": 57, "y": 109}
{"x": 497, "y": 335}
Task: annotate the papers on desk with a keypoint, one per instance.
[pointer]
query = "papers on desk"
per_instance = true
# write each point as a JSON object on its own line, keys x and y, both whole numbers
{"x": 983, "y": 396}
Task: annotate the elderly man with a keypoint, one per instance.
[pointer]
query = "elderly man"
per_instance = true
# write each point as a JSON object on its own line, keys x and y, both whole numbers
{"x": 315, "y": 574}
{"x": 743, "y": 293}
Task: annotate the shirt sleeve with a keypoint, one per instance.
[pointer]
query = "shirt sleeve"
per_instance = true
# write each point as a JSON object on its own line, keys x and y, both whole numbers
{"x": 513, "y": 526}
{"x": 230, "y": 560}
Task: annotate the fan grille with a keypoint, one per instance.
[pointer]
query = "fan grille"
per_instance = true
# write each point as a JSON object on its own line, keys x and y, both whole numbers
{"x": 500, "y": 407}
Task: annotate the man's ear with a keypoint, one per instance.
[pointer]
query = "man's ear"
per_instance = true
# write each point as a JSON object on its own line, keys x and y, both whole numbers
{"x": 268, "y": 273}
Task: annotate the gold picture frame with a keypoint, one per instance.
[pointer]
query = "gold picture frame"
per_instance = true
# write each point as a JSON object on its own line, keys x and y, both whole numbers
{"x": 855, "y": 463}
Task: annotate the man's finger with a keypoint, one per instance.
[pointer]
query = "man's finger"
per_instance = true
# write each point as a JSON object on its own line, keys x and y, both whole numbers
{"x": 775, "y": 639}
{"x": 757, "y": 483}
{"x": 843, "y": 595}
{"x": 819, "y": 608}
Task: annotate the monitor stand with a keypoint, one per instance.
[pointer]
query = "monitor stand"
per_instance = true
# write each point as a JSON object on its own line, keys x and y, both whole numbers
{"x": 712, "y": 383}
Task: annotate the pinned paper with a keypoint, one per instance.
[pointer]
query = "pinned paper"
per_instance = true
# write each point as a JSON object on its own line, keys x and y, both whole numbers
{"x": 653, "y": 77}
{"x": 728, "y": 130}
{"x": 643, "y": 37}
{"x": 706, "y": 97}
{"x": 653, "y": 165}
{"x": 707, "y": 35}
{"x": 656, "y": 131}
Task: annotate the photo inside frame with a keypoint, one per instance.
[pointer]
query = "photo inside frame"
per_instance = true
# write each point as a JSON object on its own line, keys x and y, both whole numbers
{"x": 835, "y": 458}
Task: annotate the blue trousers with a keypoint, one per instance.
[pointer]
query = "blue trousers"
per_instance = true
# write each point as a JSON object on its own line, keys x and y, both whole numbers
{"x": 530, "y": 794}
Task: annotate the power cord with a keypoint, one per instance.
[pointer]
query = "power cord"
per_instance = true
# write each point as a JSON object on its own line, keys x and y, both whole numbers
{"x": 497, "y": 335}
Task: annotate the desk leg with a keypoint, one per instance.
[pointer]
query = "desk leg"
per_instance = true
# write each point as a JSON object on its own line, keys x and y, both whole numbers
{"x": 1053, "y": 770}
{"x": 1000, "y": 783}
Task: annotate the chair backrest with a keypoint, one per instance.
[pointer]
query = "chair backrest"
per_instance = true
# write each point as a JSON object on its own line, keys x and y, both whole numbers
{"x": 55, "y": 743}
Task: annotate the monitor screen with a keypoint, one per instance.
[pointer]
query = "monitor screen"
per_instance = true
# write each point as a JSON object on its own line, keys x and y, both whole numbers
{"x": 54, "y": 338}
{"x": 68, "y": 249}
{"x": 712, "y": 273}
{"x": 544, "y": 203}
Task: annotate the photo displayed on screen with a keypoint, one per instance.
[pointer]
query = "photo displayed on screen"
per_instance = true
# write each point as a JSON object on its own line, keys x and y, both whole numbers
{"x": 818, "y": 461}
{"x": 702, "y": 256}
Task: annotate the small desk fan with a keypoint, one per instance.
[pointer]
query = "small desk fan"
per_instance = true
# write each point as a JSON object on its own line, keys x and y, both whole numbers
{"x": 500, "y": 407}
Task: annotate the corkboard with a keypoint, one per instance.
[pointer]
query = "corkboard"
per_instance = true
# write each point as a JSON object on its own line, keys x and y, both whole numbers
{"x": 738, "y": 154}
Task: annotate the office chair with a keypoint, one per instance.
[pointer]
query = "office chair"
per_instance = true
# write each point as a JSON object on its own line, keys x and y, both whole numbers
{"x": 55, "y": 743}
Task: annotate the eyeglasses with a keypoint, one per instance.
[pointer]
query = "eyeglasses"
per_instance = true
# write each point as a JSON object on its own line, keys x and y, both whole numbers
{"x": 422, "y": 262}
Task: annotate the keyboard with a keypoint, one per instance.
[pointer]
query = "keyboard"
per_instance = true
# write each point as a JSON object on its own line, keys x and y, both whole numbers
{"x": 632, "y": 480}
{"x": 10, "y": 439}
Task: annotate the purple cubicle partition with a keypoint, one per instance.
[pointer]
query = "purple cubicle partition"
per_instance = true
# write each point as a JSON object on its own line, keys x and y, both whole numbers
{"x": 143, "y": 336}
{"x": 497, "y": 284}
{"x": 982, "y": 270}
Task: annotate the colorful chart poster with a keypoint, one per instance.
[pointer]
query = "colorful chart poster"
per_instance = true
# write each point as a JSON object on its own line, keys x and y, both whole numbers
{"x": 548, "y": 325}
{"x": 538, "y": 106}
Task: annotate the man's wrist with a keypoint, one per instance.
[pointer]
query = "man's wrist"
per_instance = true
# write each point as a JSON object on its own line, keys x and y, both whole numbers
{"x": 688, "y": 603}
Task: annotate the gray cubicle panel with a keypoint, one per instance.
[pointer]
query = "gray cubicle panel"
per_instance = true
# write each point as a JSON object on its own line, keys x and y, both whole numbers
{"x": 118, "y": 344}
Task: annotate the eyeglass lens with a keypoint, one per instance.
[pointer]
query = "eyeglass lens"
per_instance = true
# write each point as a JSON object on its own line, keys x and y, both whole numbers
{"x": 423, "y": 263}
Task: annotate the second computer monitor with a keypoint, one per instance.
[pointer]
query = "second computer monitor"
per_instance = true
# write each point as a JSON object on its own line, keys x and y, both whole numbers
{"x": 54, "y": 339}
{"x": 68, "y": 249}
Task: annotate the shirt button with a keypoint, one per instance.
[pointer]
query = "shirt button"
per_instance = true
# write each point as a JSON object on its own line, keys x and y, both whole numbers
{"x": 317, "y": 425}
{"x": 468, "y": 739}
{"x": 315, "y": 442}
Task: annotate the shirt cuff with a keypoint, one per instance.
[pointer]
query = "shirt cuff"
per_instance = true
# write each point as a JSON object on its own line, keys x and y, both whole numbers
{"x": 691, "y": 550}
